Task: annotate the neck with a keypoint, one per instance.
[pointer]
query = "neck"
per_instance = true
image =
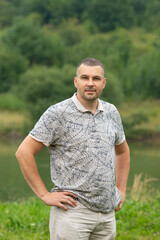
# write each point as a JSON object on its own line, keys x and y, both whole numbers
{"x": 90, "y": 105}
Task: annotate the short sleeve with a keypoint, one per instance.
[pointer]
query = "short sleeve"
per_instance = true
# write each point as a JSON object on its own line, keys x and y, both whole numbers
{"x": 117, "y": 122}
{"x": 46, "y": 129}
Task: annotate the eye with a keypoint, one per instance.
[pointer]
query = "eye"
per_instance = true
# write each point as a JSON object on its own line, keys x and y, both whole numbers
{"x": 96, "y": 78}
{"x": 84, "y": 77}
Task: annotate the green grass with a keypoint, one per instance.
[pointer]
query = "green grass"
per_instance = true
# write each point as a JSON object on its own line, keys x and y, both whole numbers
{"x": 29, "y": 220}
{"x": 24, "y": 220}
{"x": 139, "y": 220}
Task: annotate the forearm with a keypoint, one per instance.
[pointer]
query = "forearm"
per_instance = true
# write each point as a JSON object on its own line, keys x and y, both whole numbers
{"x": 30, "y": 172}
{"x": 26, "y": 158}
{"x": 122, "y": 169}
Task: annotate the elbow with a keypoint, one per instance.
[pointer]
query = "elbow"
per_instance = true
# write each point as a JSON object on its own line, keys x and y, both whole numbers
{"x": 18, "y": 154}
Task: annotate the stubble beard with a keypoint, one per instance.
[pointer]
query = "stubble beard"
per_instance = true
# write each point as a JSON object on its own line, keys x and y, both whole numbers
{"x": 90, "y": 97}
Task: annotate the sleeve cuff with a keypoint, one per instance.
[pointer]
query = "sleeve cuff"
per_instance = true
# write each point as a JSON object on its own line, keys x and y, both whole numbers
{"x": 39, "y": 140}
{"x": 121, "y": 141}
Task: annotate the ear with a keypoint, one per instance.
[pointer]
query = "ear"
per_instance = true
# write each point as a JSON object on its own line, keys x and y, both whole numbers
{"x": 104, "y": 83}
{"x": 75, "y": 82}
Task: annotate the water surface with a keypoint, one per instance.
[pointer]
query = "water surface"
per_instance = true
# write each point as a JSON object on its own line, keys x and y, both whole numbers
{"x": 144, "y": 158}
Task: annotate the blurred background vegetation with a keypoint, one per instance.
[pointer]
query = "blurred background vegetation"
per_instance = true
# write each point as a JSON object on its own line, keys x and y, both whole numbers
{"x": 41, "y": 43}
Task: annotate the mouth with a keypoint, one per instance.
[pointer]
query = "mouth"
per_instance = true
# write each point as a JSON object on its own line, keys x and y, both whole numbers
{"x": 90, "y": 90}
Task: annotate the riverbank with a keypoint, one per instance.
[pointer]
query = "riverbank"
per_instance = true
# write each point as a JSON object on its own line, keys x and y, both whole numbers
{"x": 140, "y": 120}
{"x": 137, "y": 220}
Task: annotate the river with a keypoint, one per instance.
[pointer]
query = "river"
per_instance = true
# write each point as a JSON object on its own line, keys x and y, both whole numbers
{"x": 144, "y": 158}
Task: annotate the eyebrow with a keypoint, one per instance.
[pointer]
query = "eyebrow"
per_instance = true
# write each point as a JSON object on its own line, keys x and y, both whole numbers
{"x": 85, "y": 75}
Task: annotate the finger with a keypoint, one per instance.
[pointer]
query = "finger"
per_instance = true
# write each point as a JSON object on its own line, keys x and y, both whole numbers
{"x": 69, "y": 201}
{"x": 119, "y": 207}
{"x": 70, "y": 194}
{"x": 62, "y": 206}
{"x": 70, "y": 198}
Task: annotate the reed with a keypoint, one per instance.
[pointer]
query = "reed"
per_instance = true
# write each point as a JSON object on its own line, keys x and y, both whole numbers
{"x": 142, "y": 187}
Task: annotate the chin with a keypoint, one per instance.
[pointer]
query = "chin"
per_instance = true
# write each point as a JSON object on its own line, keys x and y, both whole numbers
{"x": 90, "y": 97}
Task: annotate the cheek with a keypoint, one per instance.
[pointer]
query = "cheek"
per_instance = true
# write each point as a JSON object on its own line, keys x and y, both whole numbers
{"x": 81, "y": 85}
{"x": 100, "y": 87}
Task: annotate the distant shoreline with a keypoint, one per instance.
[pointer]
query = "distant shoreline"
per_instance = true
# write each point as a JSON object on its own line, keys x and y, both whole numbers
{"x": 16, "y": 136}
{"x": 151, "y": 139}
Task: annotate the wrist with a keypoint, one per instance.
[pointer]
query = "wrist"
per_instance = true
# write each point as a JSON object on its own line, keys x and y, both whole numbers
{"x": 121, "y": 188}
{"x": 43, "y": 195}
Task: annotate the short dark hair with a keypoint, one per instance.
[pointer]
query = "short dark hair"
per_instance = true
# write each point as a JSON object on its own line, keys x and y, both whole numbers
{"x": 91, "y": 62}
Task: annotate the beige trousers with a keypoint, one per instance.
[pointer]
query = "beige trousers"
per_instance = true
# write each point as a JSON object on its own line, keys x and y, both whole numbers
{"x": 81, "y": 223}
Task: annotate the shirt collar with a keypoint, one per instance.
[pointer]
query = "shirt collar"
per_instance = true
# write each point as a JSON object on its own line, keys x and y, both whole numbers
{"x": 80, "y": 106}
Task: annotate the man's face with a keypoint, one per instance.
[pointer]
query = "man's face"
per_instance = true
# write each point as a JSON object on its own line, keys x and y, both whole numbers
{"x": 89, "y": 82}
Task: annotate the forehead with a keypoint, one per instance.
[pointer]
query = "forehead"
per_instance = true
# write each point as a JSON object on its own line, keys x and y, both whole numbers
{"x": 90, "y": 70}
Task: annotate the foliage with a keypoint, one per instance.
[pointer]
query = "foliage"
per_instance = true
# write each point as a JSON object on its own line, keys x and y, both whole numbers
{"x": 111, "y": 14}
{"x": 12, "y": 64}
{"x": 10, "y": 102}
{"x": 45, "y": 86}
{"x": 143, "y": 76}
{"x": 47, "y": 37}
{"x": 139, "y": 9}
{"x": 71, "y": 32}
{"x": 7, "y": 13}
{"x": 133, "y": 120}
{"x": 151, "y": 17}
{"x": 113, "y": 88}
{"x": 30, "y": 7}
{"x": 59, "y": 10}
{"x": 30, "y": 218}
{"x": 33, "y": 43}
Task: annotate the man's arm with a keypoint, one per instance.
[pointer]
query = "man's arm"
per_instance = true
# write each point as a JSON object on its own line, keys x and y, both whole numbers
{"x": 26, "y": 158}
{"x": 122, "y": 169}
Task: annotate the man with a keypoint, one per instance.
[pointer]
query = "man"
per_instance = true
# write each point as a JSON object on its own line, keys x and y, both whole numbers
{"x": 87, "y": 149}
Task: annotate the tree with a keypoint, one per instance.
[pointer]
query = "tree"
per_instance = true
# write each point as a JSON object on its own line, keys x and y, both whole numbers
{"x": 108, "y": 15}
{"x": 71, "y": 32}
{"x": 28, "y": 7}
{"x": 12, "y": 64}
{"x": 142, "y": 76}
{"x": 34, "y": 43}
{"x": 139, "y": 8}
{"x": 45, "y": 86}
{"x": 59, "y": 10}
{"x": 113, "y": 91}
{"x": 79, "y": 9}
{"x": 151, "y": 19}
{"x": 7, "y": 12}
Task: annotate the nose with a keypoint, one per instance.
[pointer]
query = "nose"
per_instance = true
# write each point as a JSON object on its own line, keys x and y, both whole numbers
{"x": 90, "y": 82}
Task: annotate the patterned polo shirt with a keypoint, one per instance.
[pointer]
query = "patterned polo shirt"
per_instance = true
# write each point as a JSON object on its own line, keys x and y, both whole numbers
{"x": 82, "y": 150}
